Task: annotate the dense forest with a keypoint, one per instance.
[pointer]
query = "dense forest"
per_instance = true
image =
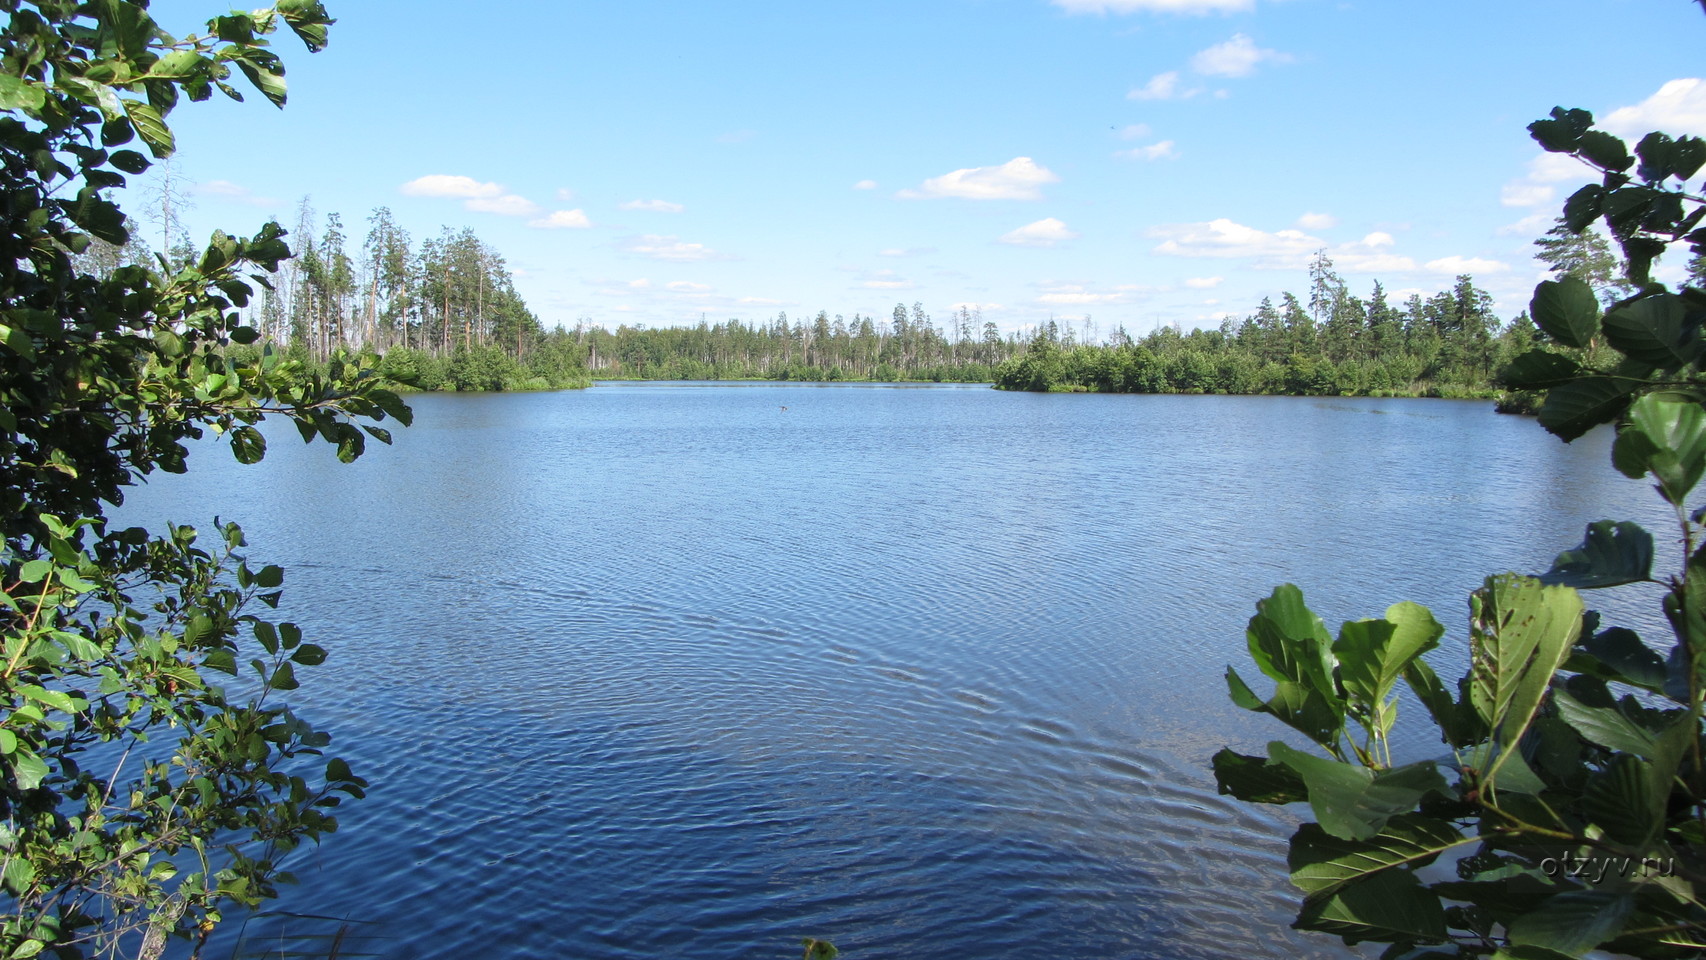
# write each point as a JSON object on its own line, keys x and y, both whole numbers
{"x": 1448, "y": 345}
{"x": 442, "y": 314}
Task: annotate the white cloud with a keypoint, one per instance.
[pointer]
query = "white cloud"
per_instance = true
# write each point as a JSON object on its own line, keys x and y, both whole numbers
{"x": 764, "y": 302}
{"x": 1237, "y": 57}
{"x": 1196, "y": 7}
{"x": 1678, "y": 108}
{"x": 1162, "y": 86}
{"x": 654, "y": 206}
{"x": 447, "y": 185}
{"x": 1204, "y": 283}
{"x": 1520, "y": 194}
{"x": 906, "y": 251}
{"x": 563, "y": 220}
{"x": 1223, "y": 238}
{"x": 1317, "y": 221}
{"x": 509, "y": 205}
{"x": 1155, "y": 151}
{"x": 886, "y": 280}
{"x": 1018, "y": 179}
{"x": 565, "y": 194}
{"x": 1043, "y": 233}
{"x": 975, "y": 307}
{"x": 1459, "y": 265}
{"x": 685, "y": 286}
{"x": 668, "y": 248}
{"x": 1136, "y": 131}
{"x": 865, "y": 185}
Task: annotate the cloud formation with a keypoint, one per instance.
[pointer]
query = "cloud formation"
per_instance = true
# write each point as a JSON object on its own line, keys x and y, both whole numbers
{"x": 1043, "y": 233}
{"x": 1678, "y": 108}
{"x": 865, "y": 185}
{"x": 562, "y": 220}
{"x": 1162, "y": 86}
{"x": 1020, "y": 178}
{"x": 1317, "y": 221}
{"x": 1237, "y": 57}
{"x": 476, "y": 195}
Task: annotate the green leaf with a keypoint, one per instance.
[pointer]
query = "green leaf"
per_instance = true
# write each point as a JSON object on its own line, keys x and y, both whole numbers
{"x": 1624, "y": 727}
{"x": 1618, "y": 654}
{"x": 248, "y": 445}
{"x": 1354, "y": 802}
{"x": 1563, "y": 131}
{"x": 1572, "y": 409}
{"x": 1605, "y": 150}
{"x": 1459, "y": 727}
{"x": 1567, "y": 310}
{"x": 1389, "y": 907}
{"x": 284, "y": 678}
{"x": 1574, "y": 922}
{"x": 1372, "y": 654}
{"x": 151, "y": 126}
{"x": 28, "y": 770}
{"x": 1610, "y": 555}
{"x": 1257, "y": 779}
{"x": 309, "y": 655}
{"x": 1672, "y": 445}
{"x": 19, "y": 94}
{"x": 1620, "y": 799}
{"x": 1654, "y": 330}
{"x": 1322, "y": 863}
{"x": 1520, "y": 632}
{"x": 1539, "y": 369}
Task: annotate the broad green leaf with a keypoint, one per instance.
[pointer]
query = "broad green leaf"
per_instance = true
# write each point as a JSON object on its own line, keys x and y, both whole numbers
{"x": 1674, "y": 450}
{"x": 1563, "y": 131}
{"x": 1298, "y": 706}
{"x": 1618, "y": 654}
{"x": 1654, "y": 330}
{"x": 1354, "y": 802}
{"x": 1574, "y": 922}
{"x": 1388, "y": 907}
{"x": 1520, "y": 632}
{"x": 248, "y": 445}
{"x": 19, "y": 94}
{"x": 1572, "y": 409}
{"x": 1625, "y": 727}
{"x": 1257, "y": 779}
{"x": 28, "y": 770}
{"x": 1372, "y": 654}
{"x": 1605, "y": 150}
{"x": 1621, "y": 801}
{"x": 1611, "y": 554}
{"x": 1567, "y": 310}
{"x": 1539, "y": 369}
{"x": 1321, "y": 863}
{"x": 151, "y": 126}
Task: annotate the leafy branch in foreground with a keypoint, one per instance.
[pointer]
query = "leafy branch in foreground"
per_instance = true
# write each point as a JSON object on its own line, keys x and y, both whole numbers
{"x": 138, "y": 797}
{"x": 1570, "y": 812}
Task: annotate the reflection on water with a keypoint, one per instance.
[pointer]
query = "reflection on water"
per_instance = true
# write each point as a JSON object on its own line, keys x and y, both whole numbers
{"x": 663, "y": 668}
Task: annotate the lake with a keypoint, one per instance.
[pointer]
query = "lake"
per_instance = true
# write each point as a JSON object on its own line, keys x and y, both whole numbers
{"x": 658, "y": 670}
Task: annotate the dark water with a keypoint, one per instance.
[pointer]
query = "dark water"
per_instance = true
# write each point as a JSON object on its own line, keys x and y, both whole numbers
{"x": 665, "y": 670}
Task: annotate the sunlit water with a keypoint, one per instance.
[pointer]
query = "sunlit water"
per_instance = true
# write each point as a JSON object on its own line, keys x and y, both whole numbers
{"x": 667, "y": 670}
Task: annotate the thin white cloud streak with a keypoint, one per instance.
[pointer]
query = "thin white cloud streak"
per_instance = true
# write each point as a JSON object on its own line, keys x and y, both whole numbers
{"x": 1155, "y": 151}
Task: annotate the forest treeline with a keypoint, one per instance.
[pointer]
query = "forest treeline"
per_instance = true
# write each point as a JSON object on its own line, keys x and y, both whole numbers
{"x": 1448, "y": 345}
{"x": 440, "y": 314}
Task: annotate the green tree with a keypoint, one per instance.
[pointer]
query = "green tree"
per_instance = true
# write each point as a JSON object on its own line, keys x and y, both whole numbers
{"x": 1569, "y": 814}
{"x": 1585, "y": 255}
{"x": 139, "y": 799}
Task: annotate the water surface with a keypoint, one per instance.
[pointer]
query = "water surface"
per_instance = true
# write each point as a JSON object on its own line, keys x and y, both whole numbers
{"x": 661, "y": 669}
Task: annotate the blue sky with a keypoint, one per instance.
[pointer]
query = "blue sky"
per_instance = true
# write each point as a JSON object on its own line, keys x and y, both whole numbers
{"x": 1139, "y": 161}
